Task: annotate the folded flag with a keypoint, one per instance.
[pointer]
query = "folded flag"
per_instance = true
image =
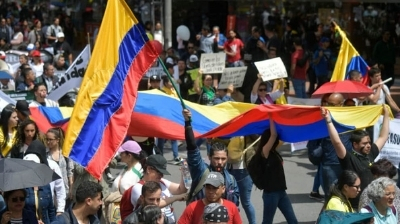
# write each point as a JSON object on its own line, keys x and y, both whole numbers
{"x": 101, "y": 117}
{"x": 348, "y": 59}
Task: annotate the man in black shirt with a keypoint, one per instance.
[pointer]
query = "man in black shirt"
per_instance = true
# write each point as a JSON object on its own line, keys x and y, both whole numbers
{"x": 63, "y": 47}
{"x": 364, "y": 152}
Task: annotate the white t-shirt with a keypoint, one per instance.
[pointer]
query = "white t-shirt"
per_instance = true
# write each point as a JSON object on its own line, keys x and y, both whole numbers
{"x": 37, "y": 69}
{"x": 382, "y": 96}
{"x": 128, "y": 178}
{"x": 206, "y": 43}
{"x": 167, "y": 210}
{"x": 58, "y": 187}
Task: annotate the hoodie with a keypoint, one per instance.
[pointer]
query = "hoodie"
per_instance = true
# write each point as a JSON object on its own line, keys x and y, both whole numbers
{"x": 38, "y": 148}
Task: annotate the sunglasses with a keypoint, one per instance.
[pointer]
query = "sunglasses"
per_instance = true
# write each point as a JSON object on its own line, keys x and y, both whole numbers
{"x": 21, "y": 199}
{"x": 262, "y": 90}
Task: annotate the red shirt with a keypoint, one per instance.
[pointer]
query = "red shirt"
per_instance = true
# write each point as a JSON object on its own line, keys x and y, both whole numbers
{"x": 299, "y": 73}
{"x": 231, "y": 46}
{"x": 193, "y": 213}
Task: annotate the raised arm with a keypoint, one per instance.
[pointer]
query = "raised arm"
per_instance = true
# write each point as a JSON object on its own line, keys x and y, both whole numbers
{"x": 383, "y": 136}
{"x": 267, "y": 147}
{"x": 254, "y": 91}
{"x": 333, "y": 134}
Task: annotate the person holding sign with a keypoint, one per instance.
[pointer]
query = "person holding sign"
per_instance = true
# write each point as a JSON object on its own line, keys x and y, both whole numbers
{"x": 259, "y": 94}
{"x": 232, "y": 48}
{"x": 207, "y": 91}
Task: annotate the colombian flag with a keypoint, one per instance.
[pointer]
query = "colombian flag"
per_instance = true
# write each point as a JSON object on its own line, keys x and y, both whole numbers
{"x": 159, "y": 115}
{"x": 108, "y": 92}
{"x": 348, "y": 59}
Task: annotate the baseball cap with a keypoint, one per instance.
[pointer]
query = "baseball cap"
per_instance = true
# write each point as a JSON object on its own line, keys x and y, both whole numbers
{"x": 2, "y": 55}
{"x": 60, "y": 35}
{"x": 23, "y": 107}
{"x": 32, "y": 157}
{"x": 130, "y": 146}
{"x": 215, "y": 179}
{"x": 30, "y": 47}
{"x": 35, "y": 53}
{"x": 170, "y": 61}
{"x": 215, "y": 212}
{"x": 193, "y": 58}
{"x": 155, "y": 78}
{"x": 158, "y": 162}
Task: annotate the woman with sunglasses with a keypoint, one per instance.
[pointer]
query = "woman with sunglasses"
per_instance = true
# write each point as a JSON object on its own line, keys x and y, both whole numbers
{"x": 15, "y": 212}
{"x": 8, "y": 129}
{"x": 347, "y": 186}
{"x": 260, "y": 94}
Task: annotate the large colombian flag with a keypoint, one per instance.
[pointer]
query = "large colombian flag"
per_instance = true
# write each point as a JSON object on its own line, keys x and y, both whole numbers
{"x": 108, "y": 92}
{"x": 348, "y": 59}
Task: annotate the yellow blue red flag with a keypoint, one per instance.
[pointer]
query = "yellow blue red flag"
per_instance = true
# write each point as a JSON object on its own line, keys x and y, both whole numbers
{"x": 348, "y": 59}
{"x": 108, "y": 92}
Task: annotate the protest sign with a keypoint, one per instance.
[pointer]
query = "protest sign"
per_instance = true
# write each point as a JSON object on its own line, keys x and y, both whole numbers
{"x": 300, "y": 101}
{"x": 271, "y": 69}
{"x": 212, "y": 63}
{"x": 391, "y": 149}
{"x": 234, "y": 76}
{"x": 158, "y": 71}
{"x": 72, "y": 77}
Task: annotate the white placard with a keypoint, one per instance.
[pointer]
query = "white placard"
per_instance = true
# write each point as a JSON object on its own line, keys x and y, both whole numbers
{"x": 72, "y": 77}
{"x": 234, "y": 76}
{"x": 158, "y": 71}
{"x": 271, "y": 69}
{"x": 391, "y": 150}
{"x": 212, "y": 63}
{"x": 300, "y": 101}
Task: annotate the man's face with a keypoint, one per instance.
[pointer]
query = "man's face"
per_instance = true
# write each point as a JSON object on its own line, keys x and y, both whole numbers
{"x": 377, "y": 78}
{"x": 215, "y": 31}
{"x": 204, "y": 32}
{"x": 30, "y": 76}
{"x": 214, "y": 194}
{"x": 386, "y": 36}
{"x": 326, "y": 44}
{"x": 357, "y": 78}
{"x": 218, "y": 159}
{"x": 50, "y": 71}
{"x": 41, "y": 92}
{"x": 3, "y": 22}
{"x": 364, "y": 146}
{"x": 151, "y": 198}
{"x": 94, "y": 203}
{"x": 181, "y": 65}
{"x": 22, "y": 60}
{"x": 190, "y": 48}
{"x": 56, "y": 22}
{"x": 155, "y": 84}
{"x": 170, "y": 52}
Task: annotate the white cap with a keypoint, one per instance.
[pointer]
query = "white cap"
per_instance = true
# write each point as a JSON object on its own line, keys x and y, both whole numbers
{"x": 170, "y": 61}
{"x": 2, "y": 54}
{"x": 32, "y": 157}
{"x": 30, "y": 47}
{"x": 193, "y": 58}
{"x": 60, "y": 35}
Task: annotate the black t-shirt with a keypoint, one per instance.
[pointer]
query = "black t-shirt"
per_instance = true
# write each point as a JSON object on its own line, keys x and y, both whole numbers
{"x": 361, "y": 165}
{"x": 274, "y": 174}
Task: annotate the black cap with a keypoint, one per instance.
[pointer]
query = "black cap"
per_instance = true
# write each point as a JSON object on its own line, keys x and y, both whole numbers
{"x": 158, "y": 162}
{"x": 155, "y": 78}
{"x": 23, "y": 107}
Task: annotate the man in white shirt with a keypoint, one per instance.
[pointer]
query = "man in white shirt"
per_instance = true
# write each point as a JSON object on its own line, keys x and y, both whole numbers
{"x": 384, "y": 95}
{"x": 40, "y": 92}
{"x": 52, "y": 31}
{"x": 206, "y": 40}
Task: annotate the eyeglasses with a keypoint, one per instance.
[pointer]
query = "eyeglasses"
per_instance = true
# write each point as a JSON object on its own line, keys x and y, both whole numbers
{"x": 262, "y": 90}
{"x": 15, "y": 200}
{"x": 49, "y": 139}
{"x": 357, "y": 186}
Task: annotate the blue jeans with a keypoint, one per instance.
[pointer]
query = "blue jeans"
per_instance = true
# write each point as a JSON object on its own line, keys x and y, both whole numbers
{"x": 200, "y": 141}
{"x": 174, "y": 145}
{"x": 299, "y": 86}
{"x": 330, "y": 173}
{"x": 245, "y": 184}
{"x": 274, "y": 200}
{"x": 318, "y": 181}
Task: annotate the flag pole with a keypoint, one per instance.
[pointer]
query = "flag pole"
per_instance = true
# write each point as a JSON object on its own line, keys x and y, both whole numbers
{"x": 88, "y": 40}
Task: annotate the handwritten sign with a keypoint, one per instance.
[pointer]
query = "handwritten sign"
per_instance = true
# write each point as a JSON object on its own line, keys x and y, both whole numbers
{"x": 234, "y": 76}
{"x": 212, "y": 63}
{"x": 271, "y": 69}
{"x": 158, "y": 71}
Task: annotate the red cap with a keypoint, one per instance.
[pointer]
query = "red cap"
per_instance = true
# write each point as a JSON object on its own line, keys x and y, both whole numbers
{"x": 35, "y": 53}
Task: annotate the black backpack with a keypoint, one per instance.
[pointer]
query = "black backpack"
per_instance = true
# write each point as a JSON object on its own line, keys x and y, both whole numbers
{"x": 255, "y": 168}
{"x": 303, "y": 61}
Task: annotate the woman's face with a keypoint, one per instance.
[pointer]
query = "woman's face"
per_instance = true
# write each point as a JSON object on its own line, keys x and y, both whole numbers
{"x": 51, "y": 140}
{"x": 16, "y": 201}
{"x": 13, "y": 121}
{"x": 353, "y": 190}
{"x": 22, "y": 60}
{"x": 37, "y": 46}
{"x": 29, "y": 132}
{"x": 388, "y": 196}
{"x": 61, "y": 61}
{"x": 262, "y": 90}
{"x": 125, "y": 157}
{"x": 207, "y": 81}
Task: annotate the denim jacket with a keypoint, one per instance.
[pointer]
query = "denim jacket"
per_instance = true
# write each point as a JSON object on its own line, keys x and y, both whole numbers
{"x": 46, "y": 208}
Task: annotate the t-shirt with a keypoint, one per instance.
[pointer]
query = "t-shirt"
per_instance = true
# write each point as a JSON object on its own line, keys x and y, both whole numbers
{"x": 127, "y": 179}
{"x": 361, "y": 165}
{"x": 299, "y": 72}
{"x": 322, "y": 68}
{"x": 337, "y": 204}
{"x": 167, "y": 210}
{"x": 232, "y": 46}
{"x": 273, "y": 169}
{"x": 193, "y": 213}
{"x": 206, "y": 43}
{"x": 382, "y": 95}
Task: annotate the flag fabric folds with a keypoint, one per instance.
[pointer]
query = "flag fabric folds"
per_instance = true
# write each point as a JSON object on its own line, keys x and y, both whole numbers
{"x": 101, "y": 117}
{"x": 348, "y": 59}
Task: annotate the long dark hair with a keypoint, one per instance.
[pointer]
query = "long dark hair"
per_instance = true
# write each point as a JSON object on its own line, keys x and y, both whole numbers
{"x": 20, "y": 137}
{"x": 5, "y": 117}
{"x": 348, "y": 177}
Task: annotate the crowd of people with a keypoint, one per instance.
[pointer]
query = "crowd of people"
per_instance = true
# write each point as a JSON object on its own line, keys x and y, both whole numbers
{"x": 350, "y": 179}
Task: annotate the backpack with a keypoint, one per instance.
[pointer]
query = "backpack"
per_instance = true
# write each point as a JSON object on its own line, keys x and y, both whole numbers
{"x": 315, "y": 151}
{"x": 126, "y": 207}
{"x": 303, "y": 61}
{"x": 256, "y": 171}
{"x": 250, "y": 151}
